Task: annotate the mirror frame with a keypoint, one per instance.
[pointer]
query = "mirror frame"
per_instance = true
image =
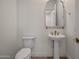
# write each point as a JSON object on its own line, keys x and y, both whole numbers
{"x": 51, "y": 27}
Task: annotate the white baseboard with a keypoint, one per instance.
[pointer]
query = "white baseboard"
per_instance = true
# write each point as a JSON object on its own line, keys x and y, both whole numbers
{"x": 4, "y": 56}
{"x": 69, "y": 57}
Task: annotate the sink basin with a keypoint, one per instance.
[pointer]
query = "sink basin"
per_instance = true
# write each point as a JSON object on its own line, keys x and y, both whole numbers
{"x": 56, "y": 37}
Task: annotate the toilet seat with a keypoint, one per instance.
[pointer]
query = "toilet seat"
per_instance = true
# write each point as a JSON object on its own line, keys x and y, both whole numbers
{"x": 24, "y": 53}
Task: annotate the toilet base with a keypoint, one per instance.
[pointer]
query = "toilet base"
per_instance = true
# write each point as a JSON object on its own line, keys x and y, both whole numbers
{"x": 24, "y": 53}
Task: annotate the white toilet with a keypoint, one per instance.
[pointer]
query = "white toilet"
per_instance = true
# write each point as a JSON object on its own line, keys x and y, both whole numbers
{"x": 25, "y": 53}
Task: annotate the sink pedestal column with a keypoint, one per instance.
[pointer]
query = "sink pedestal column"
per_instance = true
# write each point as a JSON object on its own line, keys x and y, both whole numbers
{"x": 56, "y": 39}
{"x": 56, "y": 49}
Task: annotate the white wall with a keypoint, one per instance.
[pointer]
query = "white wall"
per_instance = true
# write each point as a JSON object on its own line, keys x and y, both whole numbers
{"x": 18, "y": 17}
{"x": 8, "y": 28}
{"x": 31, "y": 20}
{"x": 77, "y": 30}
{"x": 77, "y": 18}
{"x": 70, "y": 27}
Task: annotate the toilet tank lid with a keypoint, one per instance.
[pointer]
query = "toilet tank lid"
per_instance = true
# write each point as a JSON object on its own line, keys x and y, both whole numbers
{"x": 29, "y": 37}
{"x": 24, "y": 52}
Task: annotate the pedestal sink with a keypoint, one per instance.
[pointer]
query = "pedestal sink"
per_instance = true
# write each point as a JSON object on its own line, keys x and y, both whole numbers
{"x": 56, "y": 39}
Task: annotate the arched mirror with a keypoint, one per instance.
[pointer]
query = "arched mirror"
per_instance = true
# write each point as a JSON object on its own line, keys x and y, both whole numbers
{"x": 55, "y": 14}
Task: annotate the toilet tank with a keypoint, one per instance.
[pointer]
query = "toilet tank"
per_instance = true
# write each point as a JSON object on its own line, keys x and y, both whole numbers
{"x": 28, "y": 41}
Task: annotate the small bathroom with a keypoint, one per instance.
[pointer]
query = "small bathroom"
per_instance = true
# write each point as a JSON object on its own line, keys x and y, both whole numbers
{"x": 39, "y": 29}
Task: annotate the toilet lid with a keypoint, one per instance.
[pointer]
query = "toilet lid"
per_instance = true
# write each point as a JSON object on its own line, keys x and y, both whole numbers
{"x": 23, "y": 53}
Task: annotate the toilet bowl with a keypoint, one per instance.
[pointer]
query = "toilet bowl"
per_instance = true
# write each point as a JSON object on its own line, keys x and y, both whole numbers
{"x": 24, "y": 53}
